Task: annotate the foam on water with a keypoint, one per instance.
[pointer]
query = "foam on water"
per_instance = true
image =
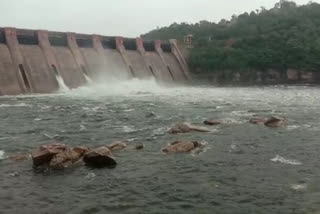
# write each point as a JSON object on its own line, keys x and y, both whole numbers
{"x": 15, "y": 105}
{"x": 2, "y": 156}
{"x": 62, "y": 86}
{"x": 89, "y": 81}
{"x": 299, "y": 187}
{"x": 279, "y": 159}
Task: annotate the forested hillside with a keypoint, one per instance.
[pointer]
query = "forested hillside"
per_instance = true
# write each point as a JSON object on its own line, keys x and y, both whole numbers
{"x": 286, "y": 36}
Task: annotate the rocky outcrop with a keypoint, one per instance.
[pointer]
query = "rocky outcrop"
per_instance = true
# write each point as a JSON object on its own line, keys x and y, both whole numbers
{"x": 307, "y": 76}
{"x": 44, "y": 154}
{"x": 181, "y": 147}
{"x": 179, "y": 128}
{"x": 185, "y": 128}
{"x": 293, "y": 75}
{"x": 117, "y": 145}
{"x": 99, "y": 157}
{"x": 257, "y": 120}
{"x": 275, "y": 122}
{"x": 212, "y": 122}
{"x": 67, "y": 158}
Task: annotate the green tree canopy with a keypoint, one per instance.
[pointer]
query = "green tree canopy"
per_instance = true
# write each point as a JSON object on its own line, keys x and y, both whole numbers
{"x": 285, "y": 36}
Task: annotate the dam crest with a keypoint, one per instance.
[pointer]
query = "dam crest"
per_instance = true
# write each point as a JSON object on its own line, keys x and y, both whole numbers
{"x": 40, "y": 61}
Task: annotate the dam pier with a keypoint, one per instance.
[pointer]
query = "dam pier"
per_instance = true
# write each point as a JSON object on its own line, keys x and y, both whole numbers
{"x": 39, "y": 61}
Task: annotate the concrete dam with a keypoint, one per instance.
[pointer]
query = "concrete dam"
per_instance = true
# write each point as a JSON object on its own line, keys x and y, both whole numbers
{"x": 39, "y": 61}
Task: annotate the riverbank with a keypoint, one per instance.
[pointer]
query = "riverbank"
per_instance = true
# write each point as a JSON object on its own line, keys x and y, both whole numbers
{"x": 255, "y": 77}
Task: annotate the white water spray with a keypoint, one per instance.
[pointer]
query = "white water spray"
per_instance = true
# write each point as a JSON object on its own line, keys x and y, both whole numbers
{"x": 89, "y": 81}
{"x": 61, "y": 84}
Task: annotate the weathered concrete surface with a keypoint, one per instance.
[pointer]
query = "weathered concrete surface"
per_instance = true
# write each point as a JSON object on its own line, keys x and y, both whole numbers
{"x": 95, "y": 63}
{"x": 138, "y": 65}
{"x": 175, "y": 68}
{"x": 42, "y": 78}
{"x": 31, "y": 61}
{"x": 115, "y": 64}
{"x": 9, "y": 83}
{"x": 160, "y": 70}
{"x": 72, "y": 75}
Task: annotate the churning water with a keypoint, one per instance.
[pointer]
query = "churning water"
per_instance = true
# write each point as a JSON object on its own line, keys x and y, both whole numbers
{"x": 245, "y": 168}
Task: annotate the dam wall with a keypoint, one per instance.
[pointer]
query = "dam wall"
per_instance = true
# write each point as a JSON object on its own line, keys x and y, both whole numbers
{"x": 33, "y": 61}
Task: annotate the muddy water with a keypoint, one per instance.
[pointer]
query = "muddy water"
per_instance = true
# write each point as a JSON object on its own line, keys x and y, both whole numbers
{"x": 245, "y": 168}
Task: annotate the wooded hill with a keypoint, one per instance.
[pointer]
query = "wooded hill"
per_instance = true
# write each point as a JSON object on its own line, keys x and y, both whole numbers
{"x": 285, "y": 36}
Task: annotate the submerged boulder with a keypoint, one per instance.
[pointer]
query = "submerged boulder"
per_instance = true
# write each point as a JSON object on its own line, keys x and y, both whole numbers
{"x": 275, "y": 122}
{"x": 44, "y": 154}
{"x": 99, "y": 157}
{"x": 212, "y": 122}
{"x": 67, "y": 158}
{"x": 257, "y": 120}
{"x": 19, "y": 157}
{"x": 117, "y": 145}
{"x": 139, "y": 146}
{"x": 179, "y": 128}
{"x": 199, "y": 128}
{"x": 181, "y": 147}
{"x": 185, "y": 128}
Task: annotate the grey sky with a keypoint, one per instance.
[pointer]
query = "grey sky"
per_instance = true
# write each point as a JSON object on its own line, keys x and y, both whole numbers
{"x": 119, "y": 17}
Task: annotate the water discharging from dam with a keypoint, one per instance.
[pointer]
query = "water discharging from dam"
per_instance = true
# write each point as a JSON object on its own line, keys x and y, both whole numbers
{"x": 127, "y": 89}
{"x": 30, "y": 60}
{"x": 244, "y": 168}
{"x": 61, "y": 85}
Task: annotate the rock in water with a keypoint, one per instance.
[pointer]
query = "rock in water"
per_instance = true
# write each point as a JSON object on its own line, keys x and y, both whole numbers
{"x": 181, "y": 147}
{"x": 179, "y": 128}
{"x": 139, "y": 147}
{"x": 45, "y": 153}
{"x": 185, "y": 128}
{"x": 99, "y": 157}
{"x": 198, "y": 128}
{"x": 67, "y": 158}
{"x": 212, "y": 122}
{"x": 257, "y": 120}
{"x": 275, "y": 122}
{"x": 151, "y": 114}
{"x": 19, "y": 157}
{"x": 116, "y": 146}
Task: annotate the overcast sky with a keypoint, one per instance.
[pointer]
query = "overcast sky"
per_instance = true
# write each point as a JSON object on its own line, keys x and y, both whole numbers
{"x": 128, "y": 18}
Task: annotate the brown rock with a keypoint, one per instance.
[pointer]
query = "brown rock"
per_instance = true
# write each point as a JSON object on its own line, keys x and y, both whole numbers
{"x": 275, "y": 122}
{"x": 184, "y": 128}
{"x": 116, "y": 146}
{"x": 198, "y": 128}
{"x": 45, "y": 153}
{"x": 181, "y": 147}
{"x": 81, "y": 150}
{"x": 257, "y": 120}
{"x": 212, "y": 122}
{"x": 99, "y": 157}
{"x": 67, "y": 158}
{"x": 179, "y": 128}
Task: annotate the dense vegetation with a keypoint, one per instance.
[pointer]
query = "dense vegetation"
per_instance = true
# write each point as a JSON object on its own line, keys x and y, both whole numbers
{"x": 286, "y": 36}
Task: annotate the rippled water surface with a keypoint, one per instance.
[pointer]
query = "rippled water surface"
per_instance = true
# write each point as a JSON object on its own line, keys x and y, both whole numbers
{"x": 245, "y": 168}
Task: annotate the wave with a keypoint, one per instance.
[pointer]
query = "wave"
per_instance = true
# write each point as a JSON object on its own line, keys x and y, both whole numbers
{"x": 15, "y": 105}
{"x": 279, "y": 159}
{"x": 299, "y": 187}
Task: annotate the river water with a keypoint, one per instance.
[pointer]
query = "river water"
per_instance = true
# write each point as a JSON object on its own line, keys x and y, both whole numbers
{"x": 244, "y": 168}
